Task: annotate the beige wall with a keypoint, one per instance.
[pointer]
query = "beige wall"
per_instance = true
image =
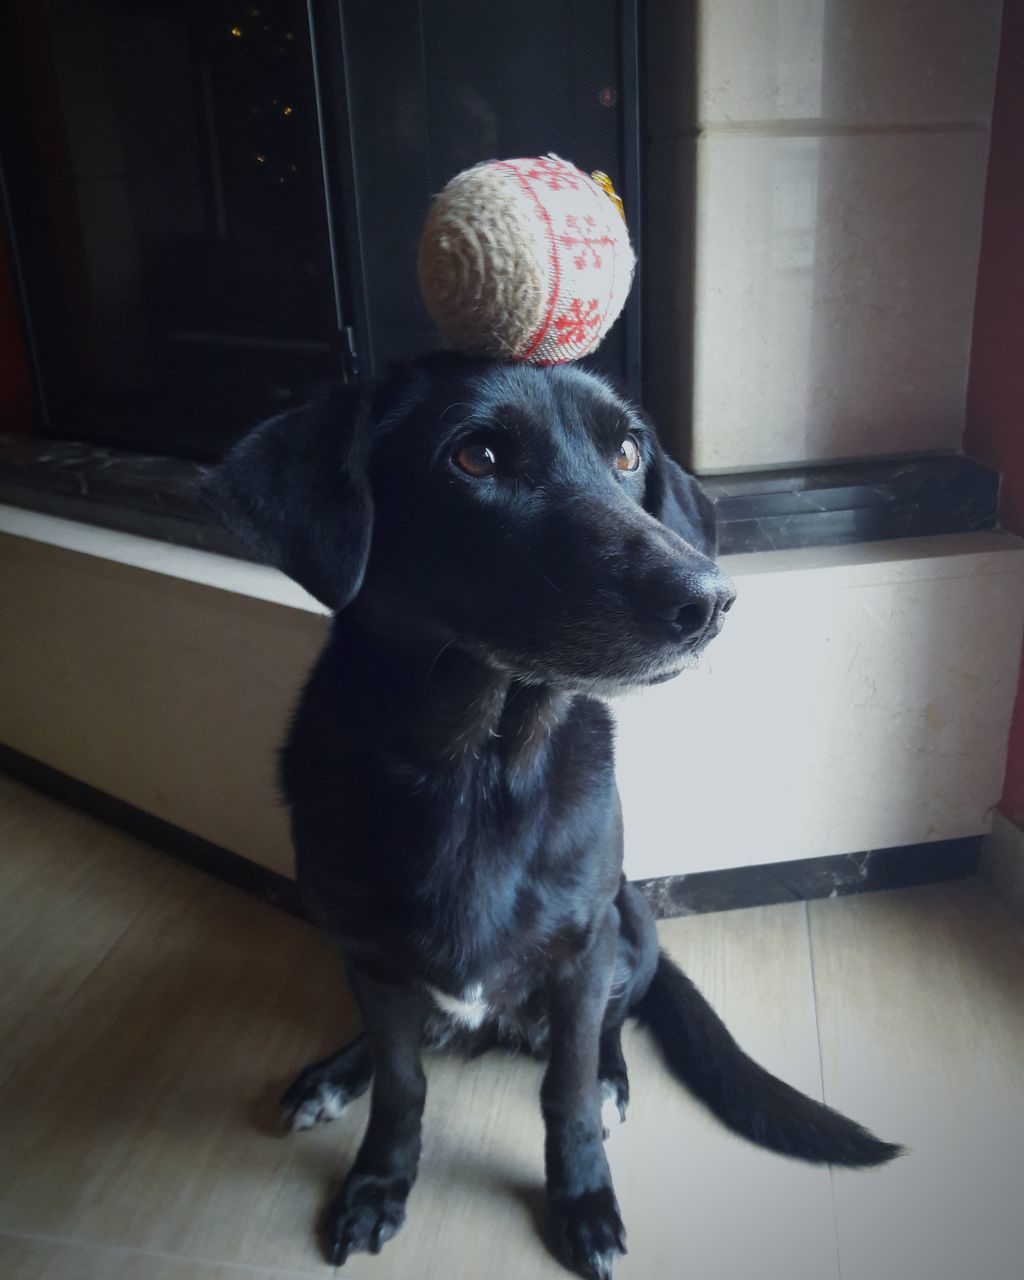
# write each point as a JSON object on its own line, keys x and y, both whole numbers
{"x": 859, "y": 697}
{"x": 164, "y": 692}
{"x": 816, "y": 175}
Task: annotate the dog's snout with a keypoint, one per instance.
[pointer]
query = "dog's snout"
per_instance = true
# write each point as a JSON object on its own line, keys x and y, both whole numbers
{"x": 695, "y": 605}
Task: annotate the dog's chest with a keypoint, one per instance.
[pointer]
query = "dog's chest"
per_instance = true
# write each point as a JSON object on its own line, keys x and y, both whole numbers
{"x": 469, "y": 1009}
{"x": 468, "y": 935}
{"x": 466, "y": 876}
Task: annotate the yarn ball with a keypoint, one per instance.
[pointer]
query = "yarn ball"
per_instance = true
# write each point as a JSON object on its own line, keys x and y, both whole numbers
{"x": 526, "y": 259}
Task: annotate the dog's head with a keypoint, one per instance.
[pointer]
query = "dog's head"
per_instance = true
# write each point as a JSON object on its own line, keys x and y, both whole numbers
{"x": 528, "y": 514}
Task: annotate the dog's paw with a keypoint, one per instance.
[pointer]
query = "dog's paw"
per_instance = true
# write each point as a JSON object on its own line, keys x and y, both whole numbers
{"x": 363, "y": 1216}
{"x": 588, "y": 1232}
{"x": 614, "y": 1092}
{"x": 305, "y": 1104}
{"x": 322, "y": 1091}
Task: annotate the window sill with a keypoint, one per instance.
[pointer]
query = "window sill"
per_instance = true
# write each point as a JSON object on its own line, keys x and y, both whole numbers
{"x": 144, "y": 494}
{"x": 812, "y": 506}
{"x": 164, "y": 676}
{"x": 156, "y": 555}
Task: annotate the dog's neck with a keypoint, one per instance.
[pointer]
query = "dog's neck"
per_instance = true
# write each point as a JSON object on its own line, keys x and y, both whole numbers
{"x": 447, "y": 707}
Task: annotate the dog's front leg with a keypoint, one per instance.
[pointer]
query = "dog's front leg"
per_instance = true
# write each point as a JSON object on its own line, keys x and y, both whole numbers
{"x": 370, "y": 1207}
{"x": 588, "y": 1233}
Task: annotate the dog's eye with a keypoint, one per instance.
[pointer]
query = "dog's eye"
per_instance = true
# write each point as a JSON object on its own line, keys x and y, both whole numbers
{"x": 476, "y": 459}
{"x": 629, "y": 455}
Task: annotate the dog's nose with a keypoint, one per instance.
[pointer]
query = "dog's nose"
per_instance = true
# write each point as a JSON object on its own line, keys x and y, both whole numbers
{"x": 696, "y": 606}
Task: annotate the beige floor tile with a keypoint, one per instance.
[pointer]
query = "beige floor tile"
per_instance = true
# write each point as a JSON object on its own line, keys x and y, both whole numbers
{"x": 120, "y": 1123}
{"x": 69, "y": 888}
{"x": 22, "y": 1258}
{"x": 138, "y": 1116}
{"x": 921, "y": 1011}
{"x": 696, "y": 1200}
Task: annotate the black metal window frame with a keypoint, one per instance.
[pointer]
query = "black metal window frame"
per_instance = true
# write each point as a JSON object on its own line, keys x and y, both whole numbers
{"x": 44, "y": 309}
{"x": 157, "y": 496}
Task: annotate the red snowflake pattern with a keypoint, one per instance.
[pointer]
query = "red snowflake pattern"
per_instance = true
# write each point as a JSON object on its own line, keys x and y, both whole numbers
{"x": 576, "y": 326}
{"x": 583, "y": 239}
{"x": 555, "y": 175}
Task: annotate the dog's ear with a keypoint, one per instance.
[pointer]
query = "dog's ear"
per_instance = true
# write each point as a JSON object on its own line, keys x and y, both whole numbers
{"x": 295, "y": 490}
{"x": 679, "y": 501}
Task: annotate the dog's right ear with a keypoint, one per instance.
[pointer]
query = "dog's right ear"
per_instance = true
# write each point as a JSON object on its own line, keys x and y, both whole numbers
{"x": 295, "y": 490}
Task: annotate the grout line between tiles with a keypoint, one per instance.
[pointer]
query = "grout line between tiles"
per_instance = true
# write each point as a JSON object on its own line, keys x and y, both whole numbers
{"x": 821, "y": 1077}
{"x": 162, "y": 1255}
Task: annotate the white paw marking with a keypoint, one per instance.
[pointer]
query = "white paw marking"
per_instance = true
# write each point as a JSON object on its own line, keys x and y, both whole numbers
{"x": 470, "y": 1008}
{"x": 326, "y": 1104}
{"x": 602, "y": 1263}
{"x": 611, "y": 1116}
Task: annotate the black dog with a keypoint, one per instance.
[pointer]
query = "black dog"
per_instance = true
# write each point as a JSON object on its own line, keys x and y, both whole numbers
{"x": 501, "y": 545}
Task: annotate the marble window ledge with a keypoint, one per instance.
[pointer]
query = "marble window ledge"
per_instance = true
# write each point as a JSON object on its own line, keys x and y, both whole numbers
{"x": 800, "y": 506}
{"x": 853, "y": 502}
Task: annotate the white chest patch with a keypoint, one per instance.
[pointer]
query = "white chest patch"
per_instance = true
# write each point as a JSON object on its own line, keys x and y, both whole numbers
{"x": 470, "y": 1008}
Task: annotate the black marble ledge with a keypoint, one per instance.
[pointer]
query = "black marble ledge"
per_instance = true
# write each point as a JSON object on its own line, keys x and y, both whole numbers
{"x": 159, "y": 497}
{"x": 145, "y": 494}
{"x": 853, "y": 502}
{"x": 835, "y": 876}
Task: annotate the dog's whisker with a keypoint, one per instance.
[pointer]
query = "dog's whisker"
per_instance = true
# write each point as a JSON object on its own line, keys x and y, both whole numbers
{"x": 551, "y": 583}
{"x": 437, "y": 657}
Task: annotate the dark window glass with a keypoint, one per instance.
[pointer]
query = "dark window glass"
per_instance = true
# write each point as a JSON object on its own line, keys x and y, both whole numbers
{"x": 176, "y": 150}
{"x": 470, "y": 80}
{"x": 214, "y": 205}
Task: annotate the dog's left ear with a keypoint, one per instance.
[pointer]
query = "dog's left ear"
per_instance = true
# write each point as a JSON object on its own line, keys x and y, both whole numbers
{"x": 295, "y": 490}
{"x": 679, "y": 501}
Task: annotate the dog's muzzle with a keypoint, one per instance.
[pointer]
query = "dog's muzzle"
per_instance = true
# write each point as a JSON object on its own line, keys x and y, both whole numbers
{"x": 688, "y": 610}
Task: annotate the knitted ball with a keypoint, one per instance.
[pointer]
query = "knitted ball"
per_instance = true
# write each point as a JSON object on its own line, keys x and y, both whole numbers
{"x": 526, "y": 259}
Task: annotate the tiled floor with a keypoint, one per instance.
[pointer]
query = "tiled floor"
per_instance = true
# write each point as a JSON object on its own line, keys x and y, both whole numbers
{"x": 149, "y": 1015}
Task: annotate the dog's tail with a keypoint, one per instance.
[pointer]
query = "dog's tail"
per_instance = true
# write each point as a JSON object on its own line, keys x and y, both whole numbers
{"x": 751, "y": 1101}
